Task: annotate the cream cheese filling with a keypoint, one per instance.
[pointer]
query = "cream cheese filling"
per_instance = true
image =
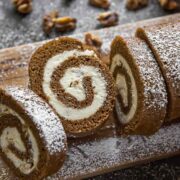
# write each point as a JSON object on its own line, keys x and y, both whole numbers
{"x": 118, "y": 60}
{"x": 72, "y": 83}
{"x": 11, "y": 135}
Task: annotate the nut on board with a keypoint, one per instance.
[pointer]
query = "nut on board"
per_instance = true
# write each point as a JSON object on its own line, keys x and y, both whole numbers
{"x": 107, "y": 19}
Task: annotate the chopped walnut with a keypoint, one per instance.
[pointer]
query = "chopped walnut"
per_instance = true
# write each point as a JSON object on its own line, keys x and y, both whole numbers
{"x": 108, "y": 19}
{"x": 23, "y": 6}
{"x": 136, "y": 4}
{"x": 169, "y": 4}
{"x": 93, "y": 40}
{"x": 48, "y": 22}
{"x": 100, "y": 3}
{"x": 74, "y": 84}
{"x": 63, "y": 24}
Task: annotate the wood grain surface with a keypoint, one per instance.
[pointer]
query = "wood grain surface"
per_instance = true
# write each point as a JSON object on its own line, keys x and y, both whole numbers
{"x": 105, "y": 151}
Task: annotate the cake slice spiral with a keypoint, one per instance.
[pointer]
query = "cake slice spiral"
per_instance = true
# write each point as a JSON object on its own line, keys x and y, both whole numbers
{"x": 32, "y": 139}
{"x": 74, "y": 82}
{"x": 142, "y": 99}
{"x": 164, "y": 41}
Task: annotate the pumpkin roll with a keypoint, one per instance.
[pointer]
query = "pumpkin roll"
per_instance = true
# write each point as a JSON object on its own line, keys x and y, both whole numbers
{"x": 142, "y": 99}
{"x": 164, "y": 41}
{"x": 32, "y": 139}
{"x": 73, "y": 80}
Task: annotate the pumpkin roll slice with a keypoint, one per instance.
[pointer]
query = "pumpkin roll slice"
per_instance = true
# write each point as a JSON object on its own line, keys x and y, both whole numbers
{"x": 32, "y": 139}
{"x": 164, "y": 41}
{"x": 73, "y": 80}
{"x": 142, "y": 98}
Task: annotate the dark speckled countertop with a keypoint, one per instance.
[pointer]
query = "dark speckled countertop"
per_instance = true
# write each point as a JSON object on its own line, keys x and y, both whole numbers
{"x": 16, "y": 29}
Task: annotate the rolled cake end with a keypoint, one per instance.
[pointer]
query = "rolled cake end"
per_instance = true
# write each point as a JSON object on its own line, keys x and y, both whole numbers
{"x": 164, "y": 41}
{"x": 32, "y": 139}
{"x": 77, "y": 85}
{"x": 141, "y": 101}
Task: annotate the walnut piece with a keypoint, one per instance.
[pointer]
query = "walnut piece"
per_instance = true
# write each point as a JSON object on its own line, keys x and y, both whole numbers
{"x": 136, "y": 4}
{"x": 23, "y": 6}
{"x": 66, "y": 23}
{"x": 95, "y": 43}
{"x": 107, "y": 19}
{"x": 93, "y": 40}
{"x": 105, "y": 4}
{"x": 169, "y": 4}
{"x": 48, "y": 22}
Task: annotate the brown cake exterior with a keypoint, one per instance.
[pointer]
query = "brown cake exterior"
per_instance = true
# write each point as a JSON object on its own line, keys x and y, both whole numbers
{"x": 142, "y": 99}
{"x": 73, "y": 80}
{"x": 164, "y": 41}
{"x": 32, "y": 139}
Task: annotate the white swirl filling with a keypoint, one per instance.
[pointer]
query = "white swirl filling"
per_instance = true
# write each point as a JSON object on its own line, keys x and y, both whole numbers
{"x": 121, "y": 84}
{"x": 11, "y": 135}
{"x": 70, "y": 85}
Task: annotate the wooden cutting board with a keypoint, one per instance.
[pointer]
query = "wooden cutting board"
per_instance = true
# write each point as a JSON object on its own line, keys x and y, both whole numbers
{"x": 105, "y": 151}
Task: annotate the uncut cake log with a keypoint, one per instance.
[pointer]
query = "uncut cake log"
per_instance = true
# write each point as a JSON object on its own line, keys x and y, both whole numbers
{"x": 164, "y": 41}
{"x": 74, "y": 82}
{"x": 32, "y": 139}
{"x": 142, "y": 99}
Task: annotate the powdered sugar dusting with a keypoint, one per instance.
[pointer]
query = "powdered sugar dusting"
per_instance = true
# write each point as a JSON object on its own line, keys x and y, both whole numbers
{"x": 87, "y": 157}
{"x": 154, "y": 85}
{"x": 15, "y": 62}
{"x": 99, "y": 154}
{"x": 112, "y": 151}
{"x": 165, "y": 39}
{"x": 47, "y": 123}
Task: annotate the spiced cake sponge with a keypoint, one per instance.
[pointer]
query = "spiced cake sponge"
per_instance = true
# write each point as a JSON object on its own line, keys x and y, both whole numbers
{"x": 32, "y": 139}
{"x": 164, "y": 41}
{"x": 73, "y": 80}
{"x": 141, "y": 102}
